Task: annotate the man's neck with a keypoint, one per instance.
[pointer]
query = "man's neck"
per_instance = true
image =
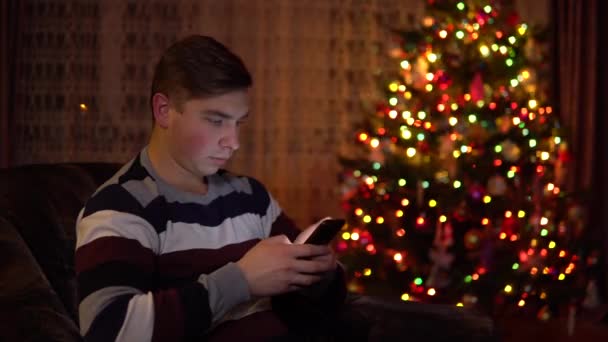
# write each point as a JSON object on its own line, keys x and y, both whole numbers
{"x": 171, "y": 172}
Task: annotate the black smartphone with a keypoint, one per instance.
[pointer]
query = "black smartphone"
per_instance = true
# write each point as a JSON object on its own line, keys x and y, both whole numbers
{"x": 325, "y": 232}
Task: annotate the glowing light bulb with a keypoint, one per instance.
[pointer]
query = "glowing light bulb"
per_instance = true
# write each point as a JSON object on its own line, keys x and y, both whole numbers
{"x": 522, "y": 29}
{"x": 397, "y": 257}
{"x": 485, "y": 51}
{"x": 508, "y": 289}
{"x": 346, "y": 235}
{"x": 411, "y": 152}
{"x": 405, "y": 65}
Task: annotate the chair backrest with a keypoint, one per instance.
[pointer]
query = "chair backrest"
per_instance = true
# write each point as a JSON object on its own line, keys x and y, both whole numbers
{"x": 39, "y": 205}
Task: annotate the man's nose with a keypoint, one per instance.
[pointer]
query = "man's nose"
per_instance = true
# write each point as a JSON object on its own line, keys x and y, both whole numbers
{"x": 230, "y": 138}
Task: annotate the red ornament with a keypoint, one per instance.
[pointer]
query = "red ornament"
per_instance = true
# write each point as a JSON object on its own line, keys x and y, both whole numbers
{"x": 513, "y": 18}
{"x": 510, "y": 226}
{"x": 423, "y": 146}
{"x": 476, "y": 88}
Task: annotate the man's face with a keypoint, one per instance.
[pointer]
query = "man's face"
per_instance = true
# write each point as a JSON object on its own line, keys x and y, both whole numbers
{"x": 204, "y": 135}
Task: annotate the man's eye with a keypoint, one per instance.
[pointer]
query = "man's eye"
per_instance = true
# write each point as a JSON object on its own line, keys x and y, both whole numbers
{"x": 216, "y": 122}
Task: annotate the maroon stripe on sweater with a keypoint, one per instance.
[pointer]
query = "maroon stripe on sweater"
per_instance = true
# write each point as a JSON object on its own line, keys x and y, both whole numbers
{"x": 113, "y": 248}
{"x": 284, "y": 225}
{"x": 194, "y": 262}
{"x": 168, "y": 316}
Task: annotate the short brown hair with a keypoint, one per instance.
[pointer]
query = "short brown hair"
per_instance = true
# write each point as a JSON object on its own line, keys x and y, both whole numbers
{"x": 197, "y": 67}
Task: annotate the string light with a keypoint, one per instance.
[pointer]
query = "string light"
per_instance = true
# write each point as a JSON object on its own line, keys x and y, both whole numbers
{"x": 411, "y": 152}
{"x": 485, "y": 51}
{"x": 522, "y": 29}
{"x": 398, "y": 257}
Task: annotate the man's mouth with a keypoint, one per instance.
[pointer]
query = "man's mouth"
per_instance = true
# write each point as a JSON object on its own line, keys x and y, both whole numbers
{"x": 219, "y": 160}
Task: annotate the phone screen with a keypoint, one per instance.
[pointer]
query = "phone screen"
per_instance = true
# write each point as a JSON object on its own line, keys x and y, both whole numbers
{"x": 325, "y": 232}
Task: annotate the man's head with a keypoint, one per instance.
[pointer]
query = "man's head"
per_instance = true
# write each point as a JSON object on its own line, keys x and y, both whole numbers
{"x": 199, "y": 97}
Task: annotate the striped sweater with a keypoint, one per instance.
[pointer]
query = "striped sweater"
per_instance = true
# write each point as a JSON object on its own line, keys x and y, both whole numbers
{"x": 154, "y": 263}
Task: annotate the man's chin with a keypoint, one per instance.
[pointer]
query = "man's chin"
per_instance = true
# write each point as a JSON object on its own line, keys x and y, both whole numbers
{"x": 209, "y": 170}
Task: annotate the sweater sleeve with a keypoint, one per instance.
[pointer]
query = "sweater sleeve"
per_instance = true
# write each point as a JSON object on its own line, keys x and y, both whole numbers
{"x": 116, "y": 255}
{"x": 274, "y": 221}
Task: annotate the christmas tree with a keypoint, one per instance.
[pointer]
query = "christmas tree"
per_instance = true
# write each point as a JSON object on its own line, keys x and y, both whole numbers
{"x": 455, "y": 194}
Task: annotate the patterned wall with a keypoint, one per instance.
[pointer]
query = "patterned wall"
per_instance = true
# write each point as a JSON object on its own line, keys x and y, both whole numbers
{"x": 85, "y": 69}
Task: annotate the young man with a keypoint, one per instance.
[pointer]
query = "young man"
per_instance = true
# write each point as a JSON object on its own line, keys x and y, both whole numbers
{"x": 173, "y": 247}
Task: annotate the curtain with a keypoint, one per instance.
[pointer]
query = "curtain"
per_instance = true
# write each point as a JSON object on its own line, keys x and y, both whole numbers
{"x": 581, "y": 91}
{"x": 9, "y": 15}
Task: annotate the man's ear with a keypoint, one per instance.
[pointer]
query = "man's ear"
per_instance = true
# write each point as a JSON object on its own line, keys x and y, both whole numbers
{"x": 160, "y": 106}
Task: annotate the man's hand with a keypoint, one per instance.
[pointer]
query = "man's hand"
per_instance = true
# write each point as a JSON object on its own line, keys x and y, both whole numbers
{"x": 276, "y": 266}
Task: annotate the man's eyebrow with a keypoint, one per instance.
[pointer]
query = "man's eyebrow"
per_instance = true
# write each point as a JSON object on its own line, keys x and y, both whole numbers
{"x": 224, "y": 115}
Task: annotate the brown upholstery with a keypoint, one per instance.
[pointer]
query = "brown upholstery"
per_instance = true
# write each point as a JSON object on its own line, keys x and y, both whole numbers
{"x": 38, "y": 209}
